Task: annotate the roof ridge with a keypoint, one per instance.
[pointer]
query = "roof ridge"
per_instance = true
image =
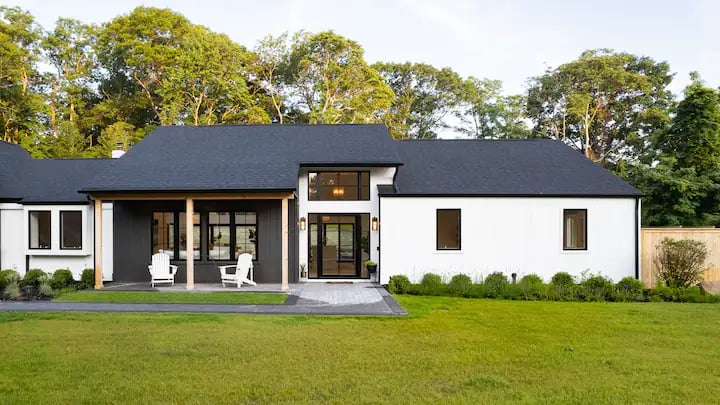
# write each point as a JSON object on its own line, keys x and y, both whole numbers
{"x": 477, "y": 140}
{"x": 273, "y": 124}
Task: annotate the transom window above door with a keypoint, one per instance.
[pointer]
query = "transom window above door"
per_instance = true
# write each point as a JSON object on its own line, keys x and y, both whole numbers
{"x": 333, "y": 186}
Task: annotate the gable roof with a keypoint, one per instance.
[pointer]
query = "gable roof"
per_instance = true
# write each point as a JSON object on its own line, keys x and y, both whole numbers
{"x": 241, "y": 157}
{"x": 528, "y": 167}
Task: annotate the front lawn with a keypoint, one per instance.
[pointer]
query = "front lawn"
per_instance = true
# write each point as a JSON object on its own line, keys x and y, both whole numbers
{"x": 449, "y": 350}
{"x": 174, "y": 297}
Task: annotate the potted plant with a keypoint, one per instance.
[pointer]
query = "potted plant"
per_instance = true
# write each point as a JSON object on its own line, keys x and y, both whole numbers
{"x": 371, "y": 266}
{"x": 303, "y": 272}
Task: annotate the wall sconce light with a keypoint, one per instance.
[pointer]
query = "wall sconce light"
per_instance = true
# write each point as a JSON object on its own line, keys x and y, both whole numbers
{"x": 374, "y": 224}
{"x": 302, "y": 223}
{"x": 338, "y": 192}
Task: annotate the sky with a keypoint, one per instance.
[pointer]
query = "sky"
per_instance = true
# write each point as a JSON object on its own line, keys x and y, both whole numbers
{"x": 510, "y": 40}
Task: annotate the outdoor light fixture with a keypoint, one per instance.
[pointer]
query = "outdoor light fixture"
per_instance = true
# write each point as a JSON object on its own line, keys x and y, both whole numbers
{"x": 374, "y": 224}
{"x": 302, "y": 223}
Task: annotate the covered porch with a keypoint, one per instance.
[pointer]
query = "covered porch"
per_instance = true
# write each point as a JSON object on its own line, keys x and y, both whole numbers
{"x": 200, "y": 232}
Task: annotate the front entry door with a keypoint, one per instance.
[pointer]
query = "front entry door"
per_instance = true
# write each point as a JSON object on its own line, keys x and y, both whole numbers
{"x": 337, "y": 246}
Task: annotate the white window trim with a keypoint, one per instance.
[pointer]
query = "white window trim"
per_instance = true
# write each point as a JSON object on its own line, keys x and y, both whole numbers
{"x": 55, "y": 236}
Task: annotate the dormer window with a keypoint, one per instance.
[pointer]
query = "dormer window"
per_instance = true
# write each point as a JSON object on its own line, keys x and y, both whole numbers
{"x": 338, "y": 186}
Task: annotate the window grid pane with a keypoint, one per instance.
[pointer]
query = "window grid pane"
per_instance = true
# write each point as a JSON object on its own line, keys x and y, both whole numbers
{"x": 333, "y": 186}
{"x": 163, "y": 233}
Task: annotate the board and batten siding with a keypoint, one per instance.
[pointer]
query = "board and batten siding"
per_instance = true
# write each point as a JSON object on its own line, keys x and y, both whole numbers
{"x": 509, "y": 235}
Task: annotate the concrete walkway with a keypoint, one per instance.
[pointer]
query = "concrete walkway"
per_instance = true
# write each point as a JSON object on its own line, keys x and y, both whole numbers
{"x": 306, "y": 299}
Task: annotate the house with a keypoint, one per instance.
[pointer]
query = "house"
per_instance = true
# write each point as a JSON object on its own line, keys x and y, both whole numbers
{"x": 325, "y": 198}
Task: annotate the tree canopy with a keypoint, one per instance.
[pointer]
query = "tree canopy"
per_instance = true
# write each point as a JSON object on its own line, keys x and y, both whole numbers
{"x": 82, "y": 90}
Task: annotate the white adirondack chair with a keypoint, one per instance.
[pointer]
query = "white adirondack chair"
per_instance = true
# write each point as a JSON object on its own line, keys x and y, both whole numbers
{"x": 161, "y": 271}
{"x": 243, "y": 272}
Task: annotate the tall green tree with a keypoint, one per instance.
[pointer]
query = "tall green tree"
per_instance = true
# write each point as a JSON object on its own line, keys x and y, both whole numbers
{"x": 485, "y": 113}
{"x": 20, "y": 102}
{"x": 605, "y": 104}
{"x": 331, "y": 82}
{"x": 69, "y": 50}
{"x": 424, "y": 97}
{"x": 271, "y": 56}
{"x": 682, "y": 180}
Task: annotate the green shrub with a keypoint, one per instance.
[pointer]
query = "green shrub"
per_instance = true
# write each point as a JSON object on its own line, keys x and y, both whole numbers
{"x": 415, "y": 289}
{"x": 628, "y": 289}
{"x": 8, "y": 277}
{"x": 680, "y": 263}
{"x": 34, "y": 277}
{"x": 596, "y": 288}
{"x": 62, "y": 278}
{"x": 459, "y": 285}
{"x": 12, "y": 292}
{"x": 562, "y": 287}
{"x": 399, "y": 284}
{"x": 531, "y": 287}
{"x": 477, "y": 291}
{"x": 512, "y": 292}
{"x": 432, "y": 284}
{"x": 496, "y": 284}
{"x": 44, "y": 290}
{"x": 87, "y": 279}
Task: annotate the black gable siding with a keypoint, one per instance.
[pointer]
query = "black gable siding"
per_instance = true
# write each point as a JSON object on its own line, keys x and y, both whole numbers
{"x": 132, "y": 239}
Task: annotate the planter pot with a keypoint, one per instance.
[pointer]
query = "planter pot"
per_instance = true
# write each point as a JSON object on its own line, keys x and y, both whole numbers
{"x": 371, "y": 268}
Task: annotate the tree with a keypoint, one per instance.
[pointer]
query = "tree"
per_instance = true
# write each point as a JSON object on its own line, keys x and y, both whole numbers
{"x": 271, "y": 55}
{"x": 424, "y": 97}
{"x": 485, "y": 113}
{"x": 118, "y": 135}
{"x": 694, "y": 136}
{"x": 605, "y": 104}
{"x": 681, "y": 177}
{"x": 68, "y": 142}
{"x": 20, "y": 103}
{"x": 332, "y": 83}
{"x": 69, "y": 50}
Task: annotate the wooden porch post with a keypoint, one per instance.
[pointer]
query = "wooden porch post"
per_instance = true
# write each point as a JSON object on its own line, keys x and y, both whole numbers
{"x": 189, "y": 254}
{"x": 285, "y": 286}
{"x": 98, "y": 245}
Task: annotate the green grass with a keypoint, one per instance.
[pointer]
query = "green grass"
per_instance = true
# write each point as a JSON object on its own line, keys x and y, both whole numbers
{"x": 174, "y": 297}
{"x": 448, "y": 350}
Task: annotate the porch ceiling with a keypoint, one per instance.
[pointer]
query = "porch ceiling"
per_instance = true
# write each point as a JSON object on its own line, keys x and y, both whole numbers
{"x": 193, "y": 196}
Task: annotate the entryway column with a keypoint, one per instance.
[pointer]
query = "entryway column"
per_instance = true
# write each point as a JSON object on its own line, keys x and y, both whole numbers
{"x": 189, "y": 243}
{"x": 98, "y": 245}
{"x": 285, "y": 285}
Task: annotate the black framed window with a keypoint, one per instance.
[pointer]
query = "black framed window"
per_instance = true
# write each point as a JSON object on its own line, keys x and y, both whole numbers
{"x": 219, "y": 235}
{"x": 334, "y": 186}
{"x": 71, "y": 233}
{"x": 40, "y": 229}
{"x": 575, "y": 229}
{"x": 163, "y": 233}
{"x": 246, "y": 240}
{"x": 448, "y": 229}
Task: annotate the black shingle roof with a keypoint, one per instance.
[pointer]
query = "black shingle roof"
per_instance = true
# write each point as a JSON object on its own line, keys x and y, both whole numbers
{"x": 12, "y": 159}
{"x": 242, "y": 157}
{"x": 28, "y": 180}
{"x": 502, "y": 168}
{"x": 58, "y": 180}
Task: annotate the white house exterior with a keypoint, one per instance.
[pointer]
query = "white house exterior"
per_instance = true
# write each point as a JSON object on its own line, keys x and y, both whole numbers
{"x": 315, "y": 203}
{"x": 510, "y": 235}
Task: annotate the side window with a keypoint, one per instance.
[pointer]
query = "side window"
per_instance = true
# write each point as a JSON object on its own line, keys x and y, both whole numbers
{"x": 448, "y": 229}
{"x": 40, "y": 229}
{"x": 575, "y": 229}
{"x": 71, "y": 232}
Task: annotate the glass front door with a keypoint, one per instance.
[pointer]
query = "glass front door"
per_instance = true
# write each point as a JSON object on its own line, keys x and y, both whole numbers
{"x": 338, "y": 245}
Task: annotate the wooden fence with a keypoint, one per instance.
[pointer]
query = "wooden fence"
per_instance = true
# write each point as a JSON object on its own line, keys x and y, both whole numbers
{"x": 651, "y": 237}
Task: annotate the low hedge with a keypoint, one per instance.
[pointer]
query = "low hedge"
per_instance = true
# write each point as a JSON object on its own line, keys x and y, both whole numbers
{"x": 562, "y": 287}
